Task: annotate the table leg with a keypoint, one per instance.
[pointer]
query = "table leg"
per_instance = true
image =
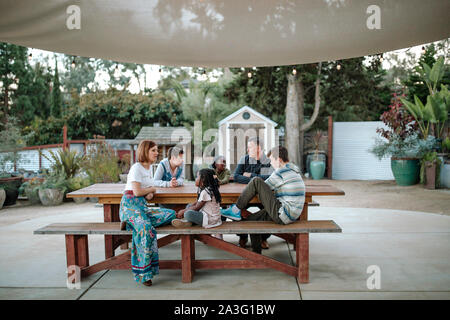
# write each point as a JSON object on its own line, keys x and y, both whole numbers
{"x": 77, "y": 255}
{"x": 187, "y": 258}
{"x": 110, "y": 214}
{"x": 302, "y": 257}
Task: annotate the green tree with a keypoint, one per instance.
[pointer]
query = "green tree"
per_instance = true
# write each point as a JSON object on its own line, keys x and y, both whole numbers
{"x": 57, "y": 101}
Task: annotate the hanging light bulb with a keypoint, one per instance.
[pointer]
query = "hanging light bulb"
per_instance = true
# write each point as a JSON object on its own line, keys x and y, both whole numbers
{"x": 423, "y": 49}
{"x": 204, "y": 72}
{"x": 249, "y": 74}
{"x": 116, "y": 71}
{"x": 338, "y": 67}
{"x": 160, "y": 70}
{"x": 73, "y": 64}
{"x": 30, "y": 56}
{"x": 381, "y": 58}
{"x": 294, "y": 71}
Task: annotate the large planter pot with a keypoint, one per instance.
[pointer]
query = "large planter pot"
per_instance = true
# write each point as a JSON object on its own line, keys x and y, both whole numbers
{"x": 11, "y": 186}
{"x": 430, "y": 175}
{"x": 445, "y": 175}
{"x": 32, "y": 195}
{"x": 311, "y": 156}
{"x": 51, "y": 197}
{"x": 79, "y": 200}
{"x": 406, "y": 171}
{"x": 317, "y": 169}
{"x": 2, "y": 197}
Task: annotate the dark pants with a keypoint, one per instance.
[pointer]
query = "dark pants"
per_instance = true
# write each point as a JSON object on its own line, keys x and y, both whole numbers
{"x": 269, "y": 211}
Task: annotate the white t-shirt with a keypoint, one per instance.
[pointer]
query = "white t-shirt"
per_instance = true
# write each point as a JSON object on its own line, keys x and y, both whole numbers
{"x": 210, "y": 210}
{"x": 139, "y": 174}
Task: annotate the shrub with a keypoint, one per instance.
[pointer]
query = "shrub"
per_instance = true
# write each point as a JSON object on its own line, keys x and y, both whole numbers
{"x": 101, "y": 164}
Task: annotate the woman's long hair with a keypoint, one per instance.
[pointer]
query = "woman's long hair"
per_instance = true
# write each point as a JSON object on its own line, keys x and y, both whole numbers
{"x": 210, "y": 183}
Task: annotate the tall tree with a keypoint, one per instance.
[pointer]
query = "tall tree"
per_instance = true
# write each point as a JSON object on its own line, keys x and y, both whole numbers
{"x": 57, "y": 101}
{"x": 13, "y": 68}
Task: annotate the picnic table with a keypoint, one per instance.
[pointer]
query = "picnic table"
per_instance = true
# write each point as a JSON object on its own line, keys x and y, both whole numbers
{"x": 110, "y": 195}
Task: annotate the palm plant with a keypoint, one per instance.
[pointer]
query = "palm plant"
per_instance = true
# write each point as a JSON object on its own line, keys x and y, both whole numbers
{"x": 65, "y": 162}
{"x": 435, "y": 111}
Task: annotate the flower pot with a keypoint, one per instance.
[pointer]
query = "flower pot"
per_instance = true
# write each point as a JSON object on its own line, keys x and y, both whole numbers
{"x": 311, "y": 156}
{"x": 405, "y": 170}
{"x": 317, "y": 169}
{"x": 2, "y": 197}
{"x": 123, "y": 177}
{"x": 79, "y": 200}
{"x": 445, "y": 175}
{"x": 11, "y": 186}
{"x": 430, "y": 175}
{"x": 51, "y": 197}
{"x": 32, "y": 195}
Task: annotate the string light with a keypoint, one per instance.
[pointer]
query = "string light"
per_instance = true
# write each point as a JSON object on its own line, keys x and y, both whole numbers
{"x": 249, "y": 74}
{"x": 73, "y": 64}
{"x": 423, "y": 49}
{"x": 294, "y": 71}
{"x": 338, "y": 67}
{"x": 30, "y": 56}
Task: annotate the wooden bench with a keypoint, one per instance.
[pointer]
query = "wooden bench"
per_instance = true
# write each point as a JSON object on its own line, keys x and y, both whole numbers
{"x": 77, "y": 249}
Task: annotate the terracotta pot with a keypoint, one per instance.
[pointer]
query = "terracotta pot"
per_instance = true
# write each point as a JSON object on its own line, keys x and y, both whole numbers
{"x": 51, "y": 197}
{"x": 430, "y": 175}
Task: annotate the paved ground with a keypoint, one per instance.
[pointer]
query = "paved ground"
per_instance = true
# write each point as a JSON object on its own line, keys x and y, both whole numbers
{"x": 410, "y": 248}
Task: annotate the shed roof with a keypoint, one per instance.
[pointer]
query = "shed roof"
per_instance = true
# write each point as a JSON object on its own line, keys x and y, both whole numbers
{"x": 248, "y": 109}
{"x": 164, "y": 135}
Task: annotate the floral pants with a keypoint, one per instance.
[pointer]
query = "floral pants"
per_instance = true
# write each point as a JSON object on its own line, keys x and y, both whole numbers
{"x": 142, "y": 221}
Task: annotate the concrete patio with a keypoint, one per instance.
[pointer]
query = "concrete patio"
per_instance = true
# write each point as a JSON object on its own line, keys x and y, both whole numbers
{"x": 410, "y": 248}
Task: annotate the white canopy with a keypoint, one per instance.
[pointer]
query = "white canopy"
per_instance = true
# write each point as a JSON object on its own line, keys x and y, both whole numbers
{"x": 218, "y": 33}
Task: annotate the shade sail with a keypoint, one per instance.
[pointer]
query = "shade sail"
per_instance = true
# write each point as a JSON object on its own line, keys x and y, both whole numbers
{"x": 218, "y": 33}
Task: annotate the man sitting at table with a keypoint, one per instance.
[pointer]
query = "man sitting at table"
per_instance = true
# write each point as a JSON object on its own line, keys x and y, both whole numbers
{"x": 254, "y": 164}
{"x": 282, "y": 195}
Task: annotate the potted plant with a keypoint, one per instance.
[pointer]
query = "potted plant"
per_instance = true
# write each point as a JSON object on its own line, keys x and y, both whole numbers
{"x": 51, "y": 191}
{"x": 401, "y": 142}
{"x": 445, "y": 166}
{"x": 430, "y": 170}
{"x": 432, "y": 116}
{"x": 2, "y": 197}
{"x": 77, "y": 183}
{"x": 124, "y": 165}
{"x": 11, "y": 142}
{"x": 31, "y": 189}
{"x": 317, "y": 164}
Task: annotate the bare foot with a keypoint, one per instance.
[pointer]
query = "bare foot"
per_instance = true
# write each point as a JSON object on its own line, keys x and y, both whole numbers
{"x": 123, "y": 225}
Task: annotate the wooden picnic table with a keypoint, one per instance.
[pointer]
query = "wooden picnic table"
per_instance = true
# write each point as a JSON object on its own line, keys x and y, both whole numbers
{"x": 110, "y": 195}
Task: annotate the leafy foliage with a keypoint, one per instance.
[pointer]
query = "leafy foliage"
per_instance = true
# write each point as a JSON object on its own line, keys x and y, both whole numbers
{"x": 410, "y": 147}
{"x": 398, "y": 120}
{"x": 65, "y": 162}
{"x": 101, "y": 164}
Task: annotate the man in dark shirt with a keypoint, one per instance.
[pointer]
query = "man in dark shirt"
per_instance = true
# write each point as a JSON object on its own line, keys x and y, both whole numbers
{"x": 254, "y": 164}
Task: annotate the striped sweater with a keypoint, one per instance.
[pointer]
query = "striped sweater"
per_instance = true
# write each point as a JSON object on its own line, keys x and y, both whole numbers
{"x": 289, "y": 189}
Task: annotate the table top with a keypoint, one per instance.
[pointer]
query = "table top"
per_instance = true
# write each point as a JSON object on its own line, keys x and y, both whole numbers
{"x": 112, "y": 192}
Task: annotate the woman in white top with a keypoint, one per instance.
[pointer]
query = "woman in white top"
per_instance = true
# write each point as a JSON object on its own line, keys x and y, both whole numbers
{"x": 141, "y": 219}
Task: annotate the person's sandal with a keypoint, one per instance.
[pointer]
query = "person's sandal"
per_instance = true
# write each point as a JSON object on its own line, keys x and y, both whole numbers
{"x": 264, "y": 245}
{"x": 148, "y": 283}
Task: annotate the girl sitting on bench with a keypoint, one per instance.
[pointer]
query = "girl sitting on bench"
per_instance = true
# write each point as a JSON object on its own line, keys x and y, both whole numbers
{"x": 206, "y": 210}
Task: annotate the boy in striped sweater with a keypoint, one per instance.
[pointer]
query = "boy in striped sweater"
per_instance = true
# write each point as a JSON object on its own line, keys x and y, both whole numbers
{"x": 282, "y": 194}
